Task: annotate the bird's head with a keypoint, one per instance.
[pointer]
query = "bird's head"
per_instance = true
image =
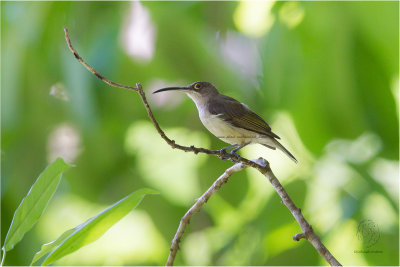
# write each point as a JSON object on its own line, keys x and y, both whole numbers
{"x": 195, "y": 90}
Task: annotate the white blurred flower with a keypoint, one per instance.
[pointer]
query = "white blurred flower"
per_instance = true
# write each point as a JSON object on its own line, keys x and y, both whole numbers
{"x": 242, "y": 54}
{"x": 58, "y": 91}
{"x": 63, "y": 142}
{"x": 139, "y": 33}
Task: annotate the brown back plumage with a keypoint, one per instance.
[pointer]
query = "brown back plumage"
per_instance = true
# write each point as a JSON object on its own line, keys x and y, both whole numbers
{"x": 239, "y": 115}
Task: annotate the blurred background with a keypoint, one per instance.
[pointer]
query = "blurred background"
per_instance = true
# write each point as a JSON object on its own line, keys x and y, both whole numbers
{"x": 323, "y": 74}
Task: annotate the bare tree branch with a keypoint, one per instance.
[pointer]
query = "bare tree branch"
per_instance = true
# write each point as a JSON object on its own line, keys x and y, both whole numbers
{"x": 261, "y": 165}
{"x": 308, "y": 232}
{"x": 196, "y": 207}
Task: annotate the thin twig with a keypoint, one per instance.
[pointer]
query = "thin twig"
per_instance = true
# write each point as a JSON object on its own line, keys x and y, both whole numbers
{"x": 98, "y": 75}
{"x": 263, "y": 167}
{"x": 197, "y": 206}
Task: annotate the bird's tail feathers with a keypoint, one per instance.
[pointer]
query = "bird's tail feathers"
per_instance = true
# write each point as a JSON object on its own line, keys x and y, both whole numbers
{"x": 283, "y": 149}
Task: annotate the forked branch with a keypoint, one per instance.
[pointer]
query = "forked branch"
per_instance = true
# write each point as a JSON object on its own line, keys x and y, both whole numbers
{"x": 261, "y": 165}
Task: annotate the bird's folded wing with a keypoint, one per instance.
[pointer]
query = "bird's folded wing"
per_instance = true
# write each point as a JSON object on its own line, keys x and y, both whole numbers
{"x": 239, "y": 115}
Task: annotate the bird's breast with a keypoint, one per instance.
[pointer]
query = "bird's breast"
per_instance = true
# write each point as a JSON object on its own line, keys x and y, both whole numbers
{"x": 224, "y": 130}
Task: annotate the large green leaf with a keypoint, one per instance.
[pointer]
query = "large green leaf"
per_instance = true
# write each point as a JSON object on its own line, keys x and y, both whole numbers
{"x": 92, "y": 229}
{"x": 48, "y": 247}
{"x": 35, "y": 202}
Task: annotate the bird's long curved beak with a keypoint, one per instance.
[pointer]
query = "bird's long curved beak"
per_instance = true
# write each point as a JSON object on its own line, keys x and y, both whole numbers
{"x": 171, "y": 89}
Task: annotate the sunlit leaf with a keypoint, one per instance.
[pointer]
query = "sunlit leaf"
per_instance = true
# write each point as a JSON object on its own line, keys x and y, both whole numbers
{"x": 35, "y": 202}
{"x": 48, "y": 247}
{"x": 95, "y": 227}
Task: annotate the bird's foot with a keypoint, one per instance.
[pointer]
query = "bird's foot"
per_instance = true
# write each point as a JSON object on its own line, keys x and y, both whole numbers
{"x": 225, "y": 155}
{"x": 234, "y": 153}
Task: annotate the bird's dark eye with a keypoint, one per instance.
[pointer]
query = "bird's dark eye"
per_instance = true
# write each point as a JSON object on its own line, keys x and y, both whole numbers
{"x": 197, "y": 86}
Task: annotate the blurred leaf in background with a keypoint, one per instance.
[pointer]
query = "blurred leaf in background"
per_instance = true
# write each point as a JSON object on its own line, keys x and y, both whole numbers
{"x": 323, "y": 74}
{"x": 92, "y": 229}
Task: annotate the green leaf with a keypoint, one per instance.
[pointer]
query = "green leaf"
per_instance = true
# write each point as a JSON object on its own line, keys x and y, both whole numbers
{"x": 95, "y": 227}
{"x": 34, "y": 203}
{"x": 48, "y": 247}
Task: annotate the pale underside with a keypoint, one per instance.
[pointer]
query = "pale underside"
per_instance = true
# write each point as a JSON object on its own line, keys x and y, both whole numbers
{"x": 231, "y": 134}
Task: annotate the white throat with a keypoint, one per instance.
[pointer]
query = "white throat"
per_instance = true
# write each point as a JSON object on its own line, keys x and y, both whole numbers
{"x": 198, "y": 100}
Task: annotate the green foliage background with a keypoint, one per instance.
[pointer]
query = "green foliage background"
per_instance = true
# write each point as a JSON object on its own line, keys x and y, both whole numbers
{"x": 323, "y": 74}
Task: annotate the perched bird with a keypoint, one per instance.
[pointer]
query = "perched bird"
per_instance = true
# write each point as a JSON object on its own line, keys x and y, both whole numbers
{"x": 228, "y": 119}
